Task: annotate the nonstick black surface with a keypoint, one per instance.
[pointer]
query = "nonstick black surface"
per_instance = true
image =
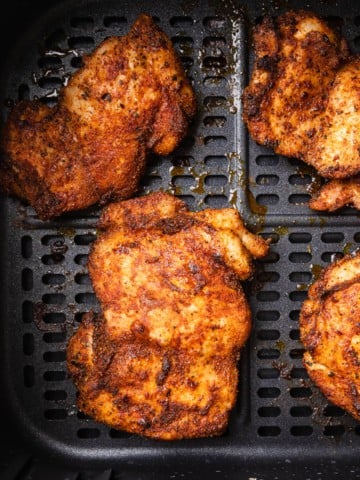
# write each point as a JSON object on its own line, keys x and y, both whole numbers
{"x": 281, "y": 427}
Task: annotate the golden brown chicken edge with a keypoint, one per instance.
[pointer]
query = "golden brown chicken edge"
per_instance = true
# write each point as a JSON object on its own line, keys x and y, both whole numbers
{"x": 334, "y": 387}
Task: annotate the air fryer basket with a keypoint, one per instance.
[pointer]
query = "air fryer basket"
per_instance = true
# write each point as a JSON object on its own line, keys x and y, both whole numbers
{"x": 281, "y": 426}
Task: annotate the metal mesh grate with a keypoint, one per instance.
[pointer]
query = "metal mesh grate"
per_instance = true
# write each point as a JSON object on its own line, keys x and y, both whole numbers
{"x": 215, "y": 166}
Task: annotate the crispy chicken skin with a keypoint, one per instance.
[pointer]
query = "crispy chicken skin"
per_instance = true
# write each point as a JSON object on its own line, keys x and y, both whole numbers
{"x": 330, "y": 332}
{"x": 130, "y": 97}
{"x": 336, "y": 194}
{"x": 303, "y": 99}
{"x": 161, "y": 358}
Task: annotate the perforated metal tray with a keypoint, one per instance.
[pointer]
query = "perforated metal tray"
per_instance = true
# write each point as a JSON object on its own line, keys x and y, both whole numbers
{"x": 281, "y": 425}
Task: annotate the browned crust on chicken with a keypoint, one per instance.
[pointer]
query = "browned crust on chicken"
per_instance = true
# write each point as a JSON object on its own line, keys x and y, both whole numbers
{"x": 303, "y": 99}
{"x": 130, "y": 97}
{"x": 330, "y": 332}
{"x": 336, "y": 194}
{"x": 161, "y": 359}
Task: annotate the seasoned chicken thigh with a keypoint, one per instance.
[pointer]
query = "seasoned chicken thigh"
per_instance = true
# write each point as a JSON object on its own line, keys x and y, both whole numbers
{"x": 330, "y": 331}
{"x": 161, "y": 358}
{"x": 303, "y": 99}
{"x": 130, "y": 97}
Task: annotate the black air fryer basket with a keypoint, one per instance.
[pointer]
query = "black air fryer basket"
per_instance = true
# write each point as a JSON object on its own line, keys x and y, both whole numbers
{"x": 282, "y": 426}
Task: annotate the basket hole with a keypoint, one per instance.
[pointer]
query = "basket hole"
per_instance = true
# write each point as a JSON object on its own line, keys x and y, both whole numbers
{"x": 300, "y": 179}
{"x": 268, "y": 354}
{"x": 335, "y": 22}
{"x": 181, "y": 21}
{"x": 216, "y": 201}
{"x": 299, "y": 373}
{"x": 50, "y": 83}
{"x": 268, "y": 315}
{"x": 217, "y": 121}
{"x": 88, "y": 433}
{"x": 300, "y": 277}
{"x": 54, "y": 298}
{"x": 82, "y": 22}
{"x": 114, "y": 21}
{"x": 333, "y": 411}
{"x": 55, "y": 395}
{"x": 268, "y": 277}
{"x": 268, "y": 334}
{"x": 214, "y": 62}
{"x": 53, "y": 259}
{"x": 55, "y": 376}
{"x": 334, "y": 430}
{"x": 55, "y": 40}
{"x": 213, "y": 102}
{"x": 188, "y": 199}
{"x": 268, "y": 373}
{"x": 54, "y": 337}
{"x": 216, "y": 81}
{"x": 82, "y": 42}
{"x": 298, "y": 296}
{"x": 118, "y": 433}
{"x": 267, "y": 160}
{"x": 55, "y": 414}
{"x": 296, "y": 353}
{"x": 295, "y": 334}
{"x": 294, "y": 315}
{"x": 187, "y": 62}
{"x": 214, "y": 42}
{"x": 271, "y": 257}
{"x": 332, "y": 237}
{"x": 27, "y": 311}
{"x": 77, "y": 62}
{"x": 300, "y": 257}
{"x": 182, "y": 161}
{"x": 272, "y": 236}
{"x": 81, "y": 259}
{"x": 26, "y": 246}
{"x": 299, "y": 199}
{"x": 300, "y": 411}
{"x": 153, "y": 181}
{"x": 29, "y": 376}
{"x": 300, "y": 237}
{"x": 330, "y": 257}
{"x": 269, "y": 411}
{"x": 84, "y": 239}
{"x": 269, "y": 431}
{"x": 267, "y": 180}
{"x": 300, "y": 392}
{"x": 54, "y": 317}
{"x": 267, "y": 199}
{"x": 268, "y": 392}
{"x": 216, "y": 161}
{"x": 216, "y": 180}
{"x": 28, "y": 344}
{"x": 301, "y": 430}
{"x": 215, "y": 22}
{"x": 215, "y": 140}
{"x": 183, "y": 181}
{"x": 56, "y": 356}
{"x": 23, "y": 92}
{"x": 53, "y": 279}
{"x": 27, "y": 279}
{"x": 82, "y": 279}
{"x": 267, "y": 296}
{"x": 86, "y": 297}
{"x": 182, "y": 43}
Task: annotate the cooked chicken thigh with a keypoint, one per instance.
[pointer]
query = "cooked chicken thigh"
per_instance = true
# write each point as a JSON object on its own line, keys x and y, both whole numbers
{"x": 330, "y": 331}
{"x": 130, "y": 97}
{"x": 161, "y": 358}
{"x": 303, "y": 99}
